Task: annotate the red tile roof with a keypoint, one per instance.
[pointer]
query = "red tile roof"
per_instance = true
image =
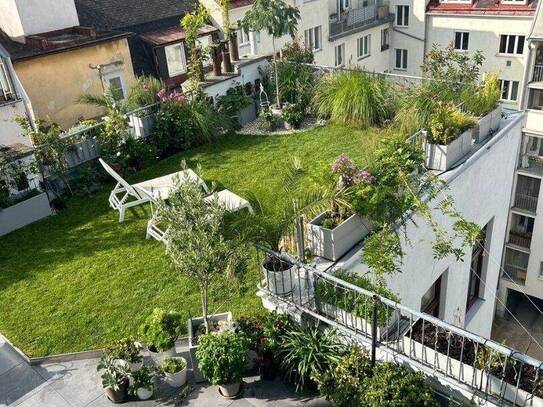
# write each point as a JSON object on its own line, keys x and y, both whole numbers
{"x": 483, "y": 7}
{"x": 171, "y": 35}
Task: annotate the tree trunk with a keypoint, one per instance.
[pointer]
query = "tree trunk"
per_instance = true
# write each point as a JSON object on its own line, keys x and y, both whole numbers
{"x": 276, "y": 74}
{"x": 204, "y": 307}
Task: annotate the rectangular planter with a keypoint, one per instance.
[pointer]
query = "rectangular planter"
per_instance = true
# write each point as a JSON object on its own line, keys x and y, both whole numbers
{"x": 142, "y": 126}
{"x": 193, "y": 346}
{"x": 24, "y": 213}
{"x": 496, "y": 118}
{"x": 483, "y": 128}
{"x": 444, "y": 157}
{"x": 468, "y": 373}
{"x": 331, "y": 244}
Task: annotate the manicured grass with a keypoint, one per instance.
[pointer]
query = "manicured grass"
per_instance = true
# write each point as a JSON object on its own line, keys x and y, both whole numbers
{"x": 79, "y": 279}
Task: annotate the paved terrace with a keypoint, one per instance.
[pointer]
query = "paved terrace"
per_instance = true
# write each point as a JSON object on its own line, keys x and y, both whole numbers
{"x": 76, "y": 383}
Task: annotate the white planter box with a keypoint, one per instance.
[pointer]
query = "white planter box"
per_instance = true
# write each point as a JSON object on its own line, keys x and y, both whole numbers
{"x": 483, "y": 128}
{"x": 24, "y": 213}
{"x": 334, "y": 243}
{"x": 467, "y": 373}
{"x": 496, "y": 117}
{"x": 142, "y": 126}
{"x": 193, "y": 346}
{"x": 444, "y": 157}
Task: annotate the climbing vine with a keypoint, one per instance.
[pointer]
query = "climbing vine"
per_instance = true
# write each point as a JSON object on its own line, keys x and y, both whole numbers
{"x": 192, "y": 23}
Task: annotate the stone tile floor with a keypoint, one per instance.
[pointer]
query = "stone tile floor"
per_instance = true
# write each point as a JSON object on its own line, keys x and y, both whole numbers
{"x": 77, "y": 384}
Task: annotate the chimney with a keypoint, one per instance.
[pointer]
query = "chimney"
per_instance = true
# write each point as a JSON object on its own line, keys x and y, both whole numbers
{"x": 226, "y": 63}
{"x": 233, "y": 43}
{"x": 216, "y": 59}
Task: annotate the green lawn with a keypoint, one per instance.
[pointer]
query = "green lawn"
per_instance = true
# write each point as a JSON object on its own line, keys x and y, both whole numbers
{"x": 79, "y": 279}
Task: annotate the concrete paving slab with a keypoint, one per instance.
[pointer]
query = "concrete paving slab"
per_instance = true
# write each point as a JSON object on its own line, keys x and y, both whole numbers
{"x": 8, "y": 357}
{"x": 45, "y": 397}
{"x": 18, "y": 383}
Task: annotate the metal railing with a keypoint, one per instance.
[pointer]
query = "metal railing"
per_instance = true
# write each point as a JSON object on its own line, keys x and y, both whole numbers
{"x": 538, "y": 73}
{"x": 460, "y": 358}
{"x": 532, "y": 164}
{"x": 520, "y": 239}
{"x": 526, "y": 202}
{"x": 356, "y": 18}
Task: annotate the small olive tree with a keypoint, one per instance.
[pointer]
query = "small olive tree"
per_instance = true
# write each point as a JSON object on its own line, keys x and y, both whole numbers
{"x": 195, "y": 239}
{"x": 278, "y": 19}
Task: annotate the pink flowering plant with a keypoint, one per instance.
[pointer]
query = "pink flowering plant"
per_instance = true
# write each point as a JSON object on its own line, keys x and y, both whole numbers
{"x": 171, "y": 96}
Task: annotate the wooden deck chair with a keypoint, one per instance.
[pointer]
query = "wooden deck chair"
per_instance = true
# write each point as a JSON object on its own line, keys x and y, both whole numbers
{"x": 125, "y": 196}
{"x": 231, "y": 202}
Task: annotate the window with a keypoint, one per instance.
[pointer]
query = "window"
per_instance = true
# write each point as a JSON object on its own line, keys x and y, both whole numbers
{"x": 206, "y": 42}
{"x": 401, "y": 59}
{"x": 114, "y": 83}
{"x": 6, "y": 90}
{"x": 243, "y": 36}
{"x": 402, "y": 16}
{"x": 385, "y": 43}
{"x": 175, "y": 59}
{"x": 430, "y": 302}
{"x": 363, "y": 45}
{"x": 512, "y": 44}
{"x": 344, "y": 5}
{"x": 313, "y": 38}
{"x": 509, "y": 90}
{"x": 340, "y": 55}
{"x": 461, "y": 40}
{"x": 476, "y": 270}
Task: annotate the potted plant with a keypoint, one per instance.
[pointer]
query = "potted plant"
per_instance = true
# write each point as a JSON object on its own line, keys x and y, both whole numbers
{"x": 483, "y": 101}
{"x": 160, "y": 331}
{"x": 143, "y": 383}
{"x": 292, "y": 116}
{"x": 222, "y": 359}
{"x": 449, "y": 137}
{"x": 335, "y": 231}
{"x": 198, "y": 248}
{"x": 115, "y": 378}
{"x": 174, "y": 371}
{"x": 128, "y": 351}
{"x": 268, "y": 121}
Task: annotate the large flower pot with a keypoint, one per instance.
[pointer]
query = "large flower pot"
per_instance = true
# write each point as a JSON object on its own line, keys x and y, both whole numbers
{"x": 496, "y": 118}
{"x": 194, "y": 323}
{"x": 278, "y": 275}
{"x": 229, "y": 390}
{"x": 118, "y": 396}
{"x": 143, "y": 393}
{"x": 178, "y": 379}
{"x": 334, "y": 243}
{"x": 444, "y": 157}
{"x": 483, "y": 128}
{"x": 158, "y": 357}
{"x": 142, "y": 126}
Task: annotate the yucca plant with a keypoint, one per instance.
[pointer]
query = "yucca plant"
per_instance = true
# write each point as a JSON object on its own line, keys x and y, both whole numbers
{"x": 307, "y": 352}
{"x": 354, "y": 98}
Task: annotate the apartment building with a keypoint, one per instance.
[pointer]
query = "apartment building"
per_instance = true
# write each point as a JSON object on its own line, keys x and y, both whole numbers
{"x": 523, "y": 258}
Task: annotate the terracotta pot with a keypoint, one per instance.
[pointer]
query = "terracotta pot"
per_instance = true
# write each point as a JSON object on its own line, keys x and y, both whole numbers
{"x": 118, "y": 396}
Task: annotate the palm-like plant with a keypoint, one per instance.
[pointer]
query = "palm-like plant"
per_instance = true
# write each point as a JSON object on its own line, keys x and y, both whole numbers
{"x": 278, "y": 19}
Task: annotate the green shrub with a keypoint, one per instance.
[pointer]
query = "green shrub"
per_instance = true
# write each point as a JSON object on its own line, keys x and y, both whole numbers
{"x": 306, "y": 352}
{"x": 354, "y": 98}
{"x": 125, "y": 349}
{"x": 143, "y": 378}
{"x": 172, "y": 365}
{"x": 268, "y": 121}
{"x": 161, "y": 329}
{"x": 352, "y": 302}
{"x": 293, "y": 114}
{"x": 233, "y": 102}
{"x": 447, "y": 124}
{"x": 482, "y": 99}
{"x": 143, "y": 92}
{"x": 222, "y": 357}
{"x": 342, "y": 384}
{"x": 395, "y": 386}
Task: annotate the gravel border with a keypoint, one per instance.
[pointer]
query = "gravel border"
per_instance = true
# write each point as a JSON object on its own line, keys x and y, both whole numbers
{"x": 253, "y": 128}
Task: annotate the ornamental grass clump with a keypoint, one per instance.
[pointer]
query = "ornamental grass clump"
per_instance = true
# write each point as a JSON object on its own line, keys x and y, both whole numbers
{"x": 481, "y": 99}
{"x": 447, "y": 123}
{"x": 355, "y": 98}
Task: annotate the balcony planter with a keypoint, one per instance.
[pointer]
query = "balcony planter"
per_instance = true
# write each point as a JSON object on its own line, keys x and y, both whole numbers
{"x": 444, "y": 157}
{"x": 23, "y": 213}
{"x": 142, "y": 126}
{"x": 278, "y": 274}
{"x": 483, "y": 128}
{"x": 496, "y": 117}
{"x": 194, "y": 323}
{"x": 331, "y": 244}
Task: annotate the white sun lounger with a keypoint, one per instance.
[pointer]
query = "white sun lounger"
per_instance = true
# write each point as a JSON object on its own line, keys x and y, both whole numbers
{"x": 231, "y": 202}
{"x": 125, "y": 196}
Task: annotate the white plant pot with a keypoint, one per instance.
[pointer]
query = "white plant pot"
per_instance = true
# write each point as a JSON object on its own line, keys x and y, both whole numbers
{"x": 334, "y": 243}
{"x": 229, "y": 390}
{"x": 444, "y": 157}
{"x": 178, "y": 379}
{"x": 279, "y": 282}
{"x": 158, "y": 357}
{"x": 193, "y": 344}
{"x": 483, "y": 129}
{"x": 496, "y": 117}
{"x": 142, "y": 126}
{"x": 144, "y": 394}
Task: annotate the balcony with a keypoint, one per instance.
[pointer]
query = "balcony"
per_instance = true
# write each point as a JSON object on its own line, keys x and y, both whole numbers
{"x": 520, "y": 239}
{"x": 357, "y": 19}
{"x": 538, "y": 73}
{"x": 515, "y": 265}
{"x": 7, "y": 94}
{"x": 526, "y": 202}
{"x": 531, "y": 164}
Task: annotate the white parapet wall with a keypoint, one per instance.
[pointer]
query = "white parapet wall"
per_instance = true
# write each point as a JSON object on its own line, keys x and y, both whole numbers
{"x": 24, "y": 213}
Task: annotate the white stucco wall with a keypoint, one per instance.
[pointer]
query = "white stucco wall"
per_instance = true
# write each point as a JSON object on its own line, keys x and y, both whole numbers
{"x": 19, "y": 18}
{"x": 10, "y": 131}
{"x": 481, "y": 188}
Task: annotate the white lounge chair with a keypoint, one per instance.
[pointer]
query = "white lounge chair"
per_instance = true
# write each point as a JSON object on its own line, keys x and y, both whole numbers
{"x": 231, "y": 202}
{"x": 125, "y": 196}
